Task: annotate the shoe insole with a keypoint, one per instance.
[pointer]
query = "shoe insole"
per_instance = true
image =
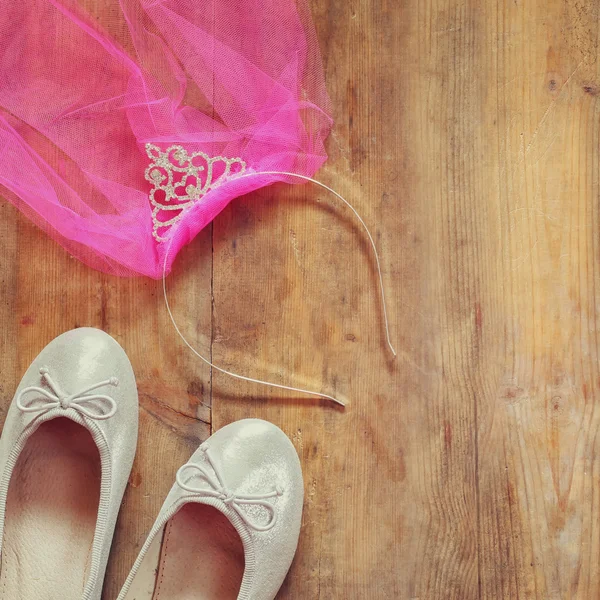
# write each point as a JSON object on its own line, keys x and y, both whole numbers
{"x": 51, "y": 515}
{"x": 200, "y": 557}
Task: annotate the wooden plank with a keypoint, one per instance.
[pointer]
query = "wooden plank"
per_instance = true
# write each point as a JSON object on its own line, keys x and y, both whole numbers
{"x": 45, "y": 292}
{"x": 296, "y": 301}
{"x": 539, "y": 475}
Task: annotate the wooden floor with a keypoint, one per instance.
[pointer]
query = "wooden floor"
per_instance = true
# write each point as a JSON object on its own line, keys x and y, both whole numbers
{"x": 467, "y": 135}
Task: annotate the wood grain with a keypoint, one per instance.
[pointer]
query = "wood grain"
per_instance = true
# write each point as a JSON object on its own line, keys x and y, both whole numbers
{"x": 467, "y": 135}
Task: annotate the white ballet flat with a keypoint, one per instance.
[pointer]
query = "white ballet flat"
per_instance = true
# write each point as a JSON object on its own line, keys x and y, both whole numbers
{"x": 229, "y": 527}
{"x": 66, "y": 452}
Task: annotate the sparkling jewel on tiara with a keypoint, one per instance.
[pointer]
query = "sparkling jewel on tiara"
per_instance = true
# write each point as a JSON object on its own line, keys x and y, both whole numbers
{"x": 180, "y": 179}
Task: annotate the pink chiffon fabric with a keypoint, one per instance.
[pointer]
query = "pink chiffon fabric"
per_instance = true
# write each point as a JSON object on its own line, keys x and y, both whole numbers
{"x": 236, "y": 79}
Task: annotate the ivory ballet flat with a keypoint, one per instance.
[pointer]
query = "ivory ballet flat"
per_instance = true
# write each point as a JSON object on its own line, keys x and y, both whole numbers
{"x": 230, "y": 524}
{"x": 65, "y": 456}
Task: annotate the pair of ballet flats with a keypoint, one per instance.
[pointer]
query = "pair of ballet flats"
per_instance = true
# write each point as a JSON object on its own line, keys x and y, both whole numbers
{"x": 228, "y": 528}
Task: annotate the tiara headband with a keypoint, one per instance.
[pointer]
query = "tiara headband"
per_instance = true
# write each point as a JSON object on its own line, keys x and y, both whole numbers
{"x": 124, "y": 153}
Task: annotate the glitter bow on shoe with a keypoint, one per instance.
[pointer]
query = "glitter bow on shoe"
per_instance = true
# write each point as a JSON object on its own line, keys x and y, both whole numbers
{"x": 217, "y": 489}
